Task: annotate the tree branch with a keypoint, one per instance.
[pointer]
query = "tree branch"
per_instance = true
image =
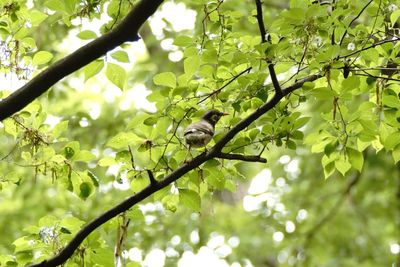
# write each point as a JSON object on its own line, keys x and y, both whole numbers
{"x": 126, "y": 31}
{"x": 153, "y": 180}
{"x": 248, "y": 158}
{"x": 264, "y": 39}
{"x": 371, "y": 46}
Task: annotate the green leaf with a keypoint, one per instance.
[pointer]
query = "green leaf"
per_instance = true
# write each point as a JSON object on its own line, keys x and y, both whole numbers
{"x": 116, "y": 74}
{"x": 190, "y": 199}
{"x": 351, "y": 83}
{"x": 58, "y": 159}
{"x": 170, "y": 202}
{"x": 139, "y": 183}
{"x": 396, "y": 154}
{"x": 321, "y": 93}
{"x": 394, "y": 16}
{"x": 59, "y": 128}
{"x": 93, "y": 68}
{"x": 391, "y": 101}
{"x": 106, "y": 161}
{"x": 191, "y": 65}
{"x": 72, "y": 224}
{"x": 215, "y": 178}
{"x": 300, "y": 122}
{"x": 308, "y": 85}
{"x": 391, "y": 141}
{"x": 37, "y": 17}
{"x": 69, "y": 152}
{"x": 66, "y": 6}
{"x": 356, "y": 158}
{"x": 70, "y": 6}
{"x": 102, "y": 257}
{"x": 42, "y": 57}
{"x": 23, "y": 244}
{"x": 135, "y": 214}
{"x": 183, "y": 40}
{"x": 165, "y": 79}
{"x": 329, "y": 169}
{"x": 291, "y": 144}
{"x": 56, "y": 5}
{"x": 121, "y": 56}
{"x": 342, "y": 165}
{"x": 123, "y": 139}
{"x": 85, "y": 190}
{"x": 84, "y": 156}
{"x": 87, "y": 35}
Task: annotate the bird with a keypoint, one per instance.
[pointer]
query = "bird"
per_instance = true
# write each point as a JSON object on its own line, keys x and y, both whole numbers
{"x": 200, "y": 133}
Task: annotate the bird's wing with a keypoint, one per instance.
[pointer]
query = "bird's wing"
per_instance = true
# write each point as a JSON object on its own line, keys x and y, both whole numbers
{"x": 200, "y": 127}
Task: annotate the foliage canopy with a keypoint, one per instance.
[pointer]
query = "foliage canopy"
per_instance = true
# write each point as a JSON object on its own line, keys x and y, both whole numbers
{"x": 311, "y": 86}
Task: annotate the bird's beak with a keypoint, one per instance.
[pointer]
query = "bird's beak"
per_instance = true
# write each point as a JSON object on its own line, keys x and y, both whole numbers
{"x": 224, "y": 113}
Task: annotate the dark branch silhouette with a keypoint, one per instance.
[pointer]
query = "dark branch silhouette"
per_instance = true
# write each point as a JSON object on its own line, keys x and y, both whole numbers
{"x": 248, "y": 158}
{"x": 264, "y": 39}
{"x": 126, "y": 31}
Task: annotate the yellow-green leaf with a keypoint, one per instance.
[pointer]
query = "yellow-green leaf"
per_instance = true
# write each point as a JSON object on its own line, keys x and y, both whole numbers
{"x": 93, "y": 68}
{"x": 190, "y": 199}
{"x": 42, "y": 57}
{"x": 165, "y": 79}
{"x": 87, "y": 35}
{"x": 121, "y": 56}
{"x": 116, "y": 74}
{"x": 356, "y": 158}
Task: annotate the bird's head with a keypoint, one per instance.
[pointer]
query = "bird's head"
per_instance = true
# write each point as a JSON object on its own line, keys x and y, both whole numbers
{"x": 213, "y": 116}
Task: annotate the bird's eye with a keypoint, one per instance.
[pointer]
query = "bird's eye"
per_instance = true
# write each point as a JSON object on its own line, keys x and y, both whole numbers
{"x": 215, "y": 117}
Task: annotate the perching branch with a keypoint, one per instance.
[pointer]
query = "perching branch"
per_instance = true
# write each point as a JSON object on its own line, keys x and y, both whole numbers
{"x": 248, "y": 158}
{"x": 264, "y": 39}
{"x": 126, "y": 31}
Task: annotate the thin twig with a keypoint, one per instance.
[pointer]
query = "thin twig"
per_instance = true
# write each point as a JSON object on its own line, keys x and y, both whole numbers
{"x": 351, "y": 22}
{"x": 172, "y": 136}
{"x": 122, "y": 233}
{"x": 10, "y": 152}
{"x": 371, "y": 46}
{"x": 215, "y": 92}
{"x": 376, "y": 77}
{"x": 132, "y": 159}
